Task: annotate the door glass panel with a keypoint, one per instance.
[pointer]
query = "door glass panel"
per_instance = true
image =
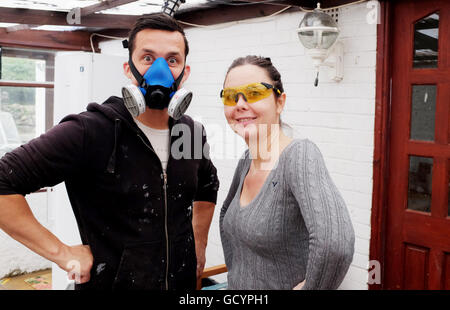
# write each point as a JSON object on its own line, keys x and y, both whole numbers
{"x": 423, "y": 109}
{"x": 426, "y": 35}
{"x": 420, "y": 180}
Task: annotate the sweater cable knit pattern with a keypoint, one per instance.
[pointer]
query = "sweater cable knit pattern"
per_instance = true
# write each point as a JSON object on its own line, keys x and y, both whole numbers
{"x": 296, "y": 228}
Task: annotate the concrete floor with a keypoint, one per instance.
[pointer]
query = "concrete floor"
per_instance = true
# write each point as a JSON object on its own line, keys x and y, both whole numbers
{"x": 19, "y": 282}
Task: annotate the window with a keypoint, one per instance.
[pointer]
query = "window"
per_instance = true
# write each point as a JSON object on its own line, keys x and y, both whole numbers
{"x": 26, "y": 93}
{"x": 426, "y": 36}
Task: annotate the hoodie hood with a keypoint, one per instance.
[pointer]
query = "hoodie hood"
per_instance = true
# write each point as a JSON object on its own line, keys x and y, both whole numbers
{"x": 114, "y": 109}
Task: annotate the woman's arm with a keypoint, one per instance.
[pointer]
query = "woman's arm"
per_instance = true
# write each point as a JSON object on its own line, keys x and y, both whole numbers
{"x": 331, "y": 234}
{"x": 231, "y": 192}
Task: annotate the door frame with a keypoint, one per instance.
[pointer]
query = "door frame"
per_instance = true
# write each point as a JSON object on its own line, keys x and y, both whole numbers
{"x": 381, "y": 139}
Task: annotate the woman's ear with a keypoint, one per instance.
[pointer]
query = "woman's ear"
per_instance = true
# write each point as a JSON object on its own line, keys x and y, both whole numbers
{"x": 281, "y": 100}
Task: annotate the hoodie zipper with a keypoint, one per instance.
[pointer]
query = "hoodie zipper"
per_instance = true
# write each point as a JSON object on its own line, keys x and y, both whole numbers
{"x": 167, "y": 233}
{"x": 165, "y": 211}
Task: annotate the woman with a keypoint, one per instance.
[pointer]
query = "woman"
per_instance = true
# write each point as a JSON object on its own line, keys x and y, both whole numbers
{"x": 284, "y": 224}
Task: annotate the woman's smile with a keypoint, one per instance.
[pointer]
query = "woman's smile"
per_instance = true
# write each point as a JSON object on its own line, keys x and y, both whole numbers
{"x": 244, "y": 121}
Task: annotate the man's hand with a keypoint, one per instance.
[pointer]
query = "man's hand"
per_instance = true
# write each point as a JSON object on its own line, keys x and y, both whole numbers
{"x": 77, "y": 261}
{"x": 17, "y": 220}
{"x": 200, "y": 250}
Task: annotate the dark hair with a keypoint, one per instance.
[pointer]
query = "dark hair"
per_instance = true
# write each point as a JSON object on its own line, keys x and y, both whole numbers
{"x": 158, "y": 21}
{"x": 264, "y": 63}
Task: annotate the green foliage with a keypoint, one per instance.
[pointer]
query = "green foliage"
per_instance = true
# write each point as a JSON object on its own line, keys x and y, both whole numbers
{"x": 18, "y": 69}
{"x": 19, "y": 101}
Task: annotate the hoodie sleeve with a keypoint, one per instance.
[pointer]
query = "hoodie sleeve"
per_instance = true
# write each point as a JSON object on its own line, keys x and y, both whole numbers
{"x": 208, "y": 182}
{"x": 44, "y": 161}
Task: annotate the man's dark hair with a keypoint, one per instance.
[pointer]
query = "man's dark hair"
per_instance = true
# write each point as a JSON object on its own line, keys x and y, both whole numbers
{"x": 158, "y": 21}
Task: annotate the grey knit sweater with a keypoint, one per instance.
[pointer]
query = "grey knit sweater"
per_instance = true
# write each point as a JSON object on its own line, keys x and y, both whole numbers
{"x": 296, "y": 228}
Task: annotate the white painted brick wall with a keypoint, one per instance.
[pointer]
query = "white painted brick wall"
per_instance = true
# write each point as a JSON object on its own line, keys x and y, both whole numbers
{"x": 338, "y": 117}
{"x": 15, "y": 257}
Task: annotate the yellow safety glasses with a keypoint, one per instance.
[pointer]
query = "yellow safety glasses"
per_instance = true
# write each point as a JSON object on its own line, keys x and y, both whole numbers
{"x": 251, "y": 93}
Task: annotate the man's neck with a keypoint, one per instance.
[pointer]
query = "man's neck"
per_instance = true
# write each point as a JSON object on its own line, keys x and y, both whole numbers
{"x": 156, "y": 119}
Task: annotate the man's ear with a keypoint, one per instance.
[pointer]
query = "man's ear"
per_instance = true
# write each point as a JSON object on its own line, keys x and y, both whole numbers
{"x": 128, "y": 73}
{"x": 187, "y": 72}
{"x": 127, "y": 70}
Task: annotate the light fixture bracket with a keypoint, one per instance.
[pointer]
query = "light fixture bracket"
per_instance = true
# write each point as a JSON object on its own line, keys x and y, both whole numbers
{"x": 318, "y": 33}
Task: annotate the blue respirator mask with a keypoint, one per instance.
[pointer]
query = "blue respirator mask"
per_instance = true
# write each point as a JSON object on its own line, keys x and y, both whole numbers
{"x": 157, "y": 90}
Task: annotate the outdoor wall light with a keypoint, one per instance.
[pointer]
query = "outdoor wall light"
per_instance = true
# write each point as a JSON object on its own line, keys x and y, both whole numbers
{"x": 318, "y": 33}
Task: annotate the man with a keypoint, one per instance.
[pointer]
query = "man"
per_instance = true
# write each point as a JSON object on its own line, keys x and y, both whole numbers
{"x": 137, "y": 207}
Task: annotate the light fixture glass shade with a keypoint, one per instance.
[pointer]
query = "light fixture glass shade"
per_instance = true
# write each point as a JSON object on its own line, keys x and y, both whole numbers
{"x": 317, "y": 30}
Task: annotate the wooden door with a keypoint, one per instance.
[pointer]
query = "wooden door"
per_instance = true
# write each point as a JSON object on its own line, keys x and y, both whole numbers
{"x": 417, "y": 239}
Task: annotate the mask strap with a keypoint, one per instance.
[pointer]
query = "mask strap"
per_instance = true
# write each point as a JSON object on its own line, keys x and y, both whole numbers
{"x": 139, "y": 78}
{"x": 142, "y": 83}
{"x": 174, "y": 87}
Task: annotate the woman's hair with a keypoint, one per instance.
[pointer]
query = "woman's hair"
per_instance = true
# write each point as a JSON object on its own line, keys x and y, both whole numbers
{"x": 264, "y": 63}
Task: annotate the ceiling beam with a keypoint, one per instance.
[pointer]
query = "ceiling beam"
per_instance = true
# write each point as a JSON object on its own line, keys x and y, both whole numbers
{"x": 104, "y": 5}
{"x": 302, "y": 3}
{"x": 228, "y": 13}
{"x": 223, "y": 13}
{"x": 43, "y": 17}
{"x": 58, "y": 40}
{"x": 308, "y": 4}
{"x": 88, "y": 19}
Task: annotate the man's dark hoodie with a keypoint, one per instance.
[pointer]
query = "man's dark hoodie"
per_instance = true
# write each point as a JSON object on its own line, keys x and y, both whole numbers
{"x": 135, "y": 218}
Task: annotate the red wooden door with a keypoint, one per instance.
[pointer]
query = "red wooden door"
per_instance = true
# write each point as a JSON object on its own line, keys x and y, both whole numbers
{"x": 417, "y": 253}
